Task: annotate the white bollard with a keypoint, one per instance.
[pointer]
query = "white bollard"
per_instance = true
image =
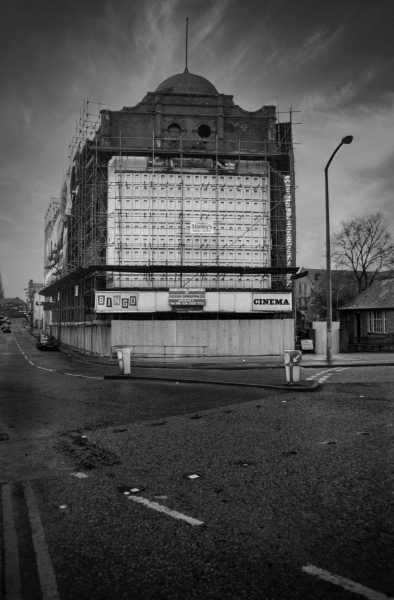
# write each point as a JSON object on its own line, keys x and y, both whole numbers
{"x": 124, "y": 359}
{"x": 296, "y": 373}
{"x": 292, "y": 359}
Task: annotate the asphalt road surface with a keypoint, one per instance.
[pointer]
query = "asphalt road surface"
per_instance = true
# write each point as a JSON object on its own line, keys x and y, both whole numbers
{"x": 164, "y": 491}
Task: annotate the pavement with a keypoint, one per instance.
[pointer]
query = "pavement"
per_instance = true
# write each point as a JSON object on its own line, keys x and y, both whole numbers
{"x": 248, "y": 371}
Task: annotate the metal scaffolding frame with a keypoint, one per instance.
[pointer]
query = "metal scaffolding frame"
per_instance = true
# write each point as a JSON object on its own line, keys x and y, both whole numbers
{"x": 89, "y": 153}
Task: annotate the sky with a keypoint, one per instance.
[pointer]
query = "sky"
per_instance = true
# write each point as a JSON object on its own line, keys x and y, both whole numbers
{"x": 331, "y": 61}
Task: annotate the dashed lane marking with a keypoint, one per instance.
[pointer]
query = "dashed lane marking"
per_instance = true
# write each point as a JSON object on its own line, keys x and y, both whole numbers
{"x": 346, "y": 584}
{"x": 160, "y": 508}
{"x": 321, "y": 376}
{"x": 53, "y": 370}
{"x": 83, "y": 376}
{"x": 73, "y": 375}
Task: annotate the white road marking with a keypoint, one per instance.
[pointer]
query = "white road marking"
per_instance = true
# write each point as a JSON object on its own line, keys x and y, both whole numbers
{"x": 347, "y": 584}
{"x": 44, "y": 565}
{"x": 52, "y": 370}
{"x": 83, "y": 376}
{"x": 164, "y": 509}
{"x": 12, "y": 578}
{"x": 321, "y": 376}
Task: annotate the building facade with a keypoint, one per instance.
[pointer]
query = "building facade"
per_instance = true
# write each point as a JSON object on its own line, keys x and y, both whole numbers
{"x": 178, "y": 209}
{"x": 12, "y": 308}
{"x": 53, "y": 238}
{"x": 35, "y": 305}
{"x": 367, "y": 323}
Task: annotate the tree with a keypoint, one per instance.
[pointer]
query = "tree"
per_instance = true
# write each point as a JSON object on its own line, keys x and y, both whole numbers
{"x": 364, "y": 246}
{"x": 344, "y": 290}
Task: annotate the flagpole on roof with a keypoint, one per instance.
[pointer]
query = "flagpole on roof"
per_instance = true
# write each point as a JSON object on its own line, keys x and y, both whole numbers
{"x": 187, "y": 31}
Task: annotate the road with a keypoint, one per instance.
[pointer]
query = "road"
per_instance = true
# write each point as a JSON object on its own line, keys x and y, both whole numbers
{"x": 163, "y": 490}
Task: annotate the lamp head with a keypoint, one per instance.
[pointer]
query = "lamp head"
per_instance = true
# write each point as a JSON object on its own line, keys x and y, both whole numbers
{"x": 347, "y": 139}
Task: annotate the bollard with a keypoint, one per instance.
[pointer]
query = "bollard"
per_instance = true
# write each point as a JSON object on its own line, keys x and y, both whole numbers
{"x": 124, "y": 360}
{"x": 292, "y": 360}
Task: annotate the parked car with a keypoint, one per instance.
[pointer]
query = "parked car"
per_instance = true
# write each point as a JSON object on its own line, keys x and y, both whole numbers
{"x": 46, "y": 342}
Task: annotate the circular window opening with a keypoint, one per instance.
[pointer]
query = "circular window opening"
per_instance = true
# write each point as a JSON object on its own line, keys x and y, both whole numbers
{"x": 174, "y": 130}
{"x": 204, "y": 131}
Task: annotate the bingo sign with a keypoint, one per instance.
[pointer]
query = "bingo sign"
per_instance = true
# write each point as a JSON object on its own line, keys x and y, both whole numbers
{"x": 116, "y": 302}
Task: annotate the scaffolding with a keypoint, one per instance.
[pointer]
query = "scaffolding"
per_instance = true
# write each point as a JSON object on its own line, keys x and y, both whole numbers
{"x": 88, "y": 189}
{"x": 89, "y": 226}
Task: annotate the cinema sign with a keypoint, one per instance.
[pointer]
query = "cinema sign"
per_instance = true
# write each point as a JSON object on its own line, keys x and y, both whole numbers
{"x": 272, "y": 302}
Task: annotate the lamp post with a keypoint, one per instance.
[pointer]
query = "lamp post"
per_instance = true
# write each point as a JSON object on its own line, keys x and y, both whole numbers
{"x": 346, "y": 140}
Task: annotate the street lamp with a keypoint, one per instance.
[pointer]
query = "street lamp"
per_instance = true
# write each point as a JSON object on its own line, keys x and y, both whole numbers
{"x": 346, "y": 140}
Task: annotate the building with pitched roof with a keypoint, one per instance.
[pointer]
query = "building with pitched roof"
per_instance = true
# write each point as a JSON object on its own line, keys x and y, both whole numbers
{"x": 13, "y": 308}
{"x": 367, "y": 323}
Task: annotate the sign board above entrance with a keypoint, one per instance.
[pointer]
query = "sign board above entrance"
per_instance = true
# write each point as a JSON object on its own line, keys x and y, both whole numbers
{"x": 115, "y": 302}
{"x": 187, "y": 296}
{"x": 272, "y": 302}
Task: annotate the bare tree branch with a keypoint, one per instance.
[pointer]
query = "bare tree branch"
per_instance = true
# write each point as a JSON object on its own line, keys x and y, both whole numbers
{"x": 365, "y": 246}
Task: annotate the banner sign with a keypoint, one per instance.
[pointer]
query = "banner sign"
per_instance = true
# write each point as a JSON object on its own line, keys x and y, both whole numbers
{"x": 272, "y": 302}
{"x": 111, "y": 302}
{"x": 187, "y": 296}
{"x": 202, "y": 228}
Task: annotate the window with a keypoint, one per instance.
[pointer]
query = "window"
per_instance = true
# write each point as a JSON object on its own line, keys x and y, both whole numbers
{"x": 204, "y": 131}
{"x": 377, "y": 321}
{"x": 174, "y": 130}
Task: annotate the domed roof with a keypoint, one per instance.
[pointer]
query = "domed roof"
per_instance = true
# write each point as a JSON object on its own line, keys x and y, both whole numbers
{"x": 187, "y": 83}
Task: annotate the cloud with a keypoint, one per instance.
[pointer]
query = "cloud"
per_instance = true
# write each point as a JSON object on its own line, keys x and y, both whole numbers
{"x": 315, "y": 44}
{"x": 334, "y": 63}
{"x": 211, "y": 26}
{"x": 288, "y": 53}
{"x": 361, "y": 176}
{"x": 336, "y": 96}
